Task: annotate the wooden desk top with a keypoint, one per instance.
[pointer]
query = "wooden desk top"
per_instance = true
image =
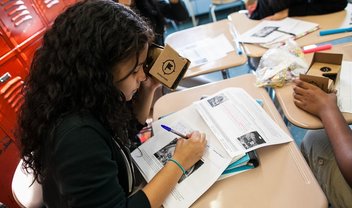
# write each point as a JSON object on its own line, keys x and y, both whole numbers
{"x": 283, "y": 178}
{"x": 328, "y": 21}
{"x": 297, "y": 116}
{"x": 184, "y": 37}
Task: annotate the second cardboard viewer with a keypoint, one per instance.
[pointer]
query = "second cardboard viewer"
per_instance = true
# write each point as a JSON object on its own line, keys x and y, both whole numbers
{"x": 324, "y": 71}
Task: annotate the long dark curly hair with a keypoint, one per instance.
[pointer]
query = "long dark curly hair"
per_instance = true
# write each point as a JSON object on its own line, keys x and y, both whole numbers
{"x": 72, "y": 72}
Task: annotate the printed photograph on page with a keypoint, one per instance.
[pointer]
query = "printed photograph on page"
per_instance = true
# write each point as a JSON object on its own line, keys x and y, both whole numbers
{"x": 166, "y": 153}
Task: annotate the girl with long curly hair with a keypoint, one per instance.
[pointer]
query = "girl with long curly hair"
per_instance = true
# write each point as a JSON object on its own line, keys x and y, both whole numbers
{"x": 86, "y": 97}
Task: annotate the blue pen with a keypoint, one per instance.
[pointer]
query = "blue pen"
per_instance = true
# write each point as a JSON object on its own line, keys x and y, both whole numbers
{"x": 334, "y": 31}
{"x": 235, "y": 39}
{"x": 174, "y": 131}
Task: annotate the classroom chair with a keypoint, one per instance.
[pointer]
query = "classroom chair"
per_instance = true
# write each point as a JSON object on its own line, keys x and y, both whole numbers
{"x": 216, "y": 3}
{"x": 190, "y": 9}
{"x": 26, "y": 194}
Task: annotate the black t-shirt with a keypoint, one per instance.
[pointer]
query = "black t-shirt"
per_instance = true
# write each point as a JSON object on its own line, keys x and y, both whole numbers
{"x": 155, "y": 11}
{"x": 297, "y": 7}
{"x": 86, "y": 168}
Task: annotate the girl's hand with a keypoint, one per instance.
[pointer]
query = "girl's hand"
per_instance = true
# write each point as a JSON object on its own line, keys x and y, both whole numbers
{"x": 150, "y": 83}
{"x": 189, "y": 151}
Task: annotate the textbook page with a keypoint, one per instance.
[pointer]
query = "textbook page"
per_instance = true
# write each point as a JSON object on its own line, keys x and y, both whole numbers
{"x": 158, "y": 149}
{"x": 239, "y": 122}
{"x": 344, "y": 87}
{"x": 268, "y": 31}
{"x": 206, "y": 50}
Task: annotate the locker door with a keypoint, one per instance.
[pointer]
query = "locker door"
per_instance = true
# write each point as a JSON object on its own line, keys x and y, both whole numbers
{"x": 27, "y": 52}
{"x": 9, "y": 158}
{"x": 70, "y": 2}
{"x": 11, "y": 98}
{"x": 4, "y": 47}
{"x": 50, "y": 9}
{"x": 20, "y": 21}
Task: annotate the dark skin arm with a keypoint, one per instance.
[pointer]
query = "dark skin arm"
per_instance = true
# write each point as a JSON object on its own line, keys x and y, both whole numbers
{"x": 323, "y": 105}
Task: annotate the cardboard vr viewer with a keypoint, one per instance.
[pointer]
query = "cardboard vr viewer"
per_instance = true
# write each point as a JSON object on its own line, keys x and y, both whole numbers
{"x": 166, "y": 65}
{"x": 324, "y": 70}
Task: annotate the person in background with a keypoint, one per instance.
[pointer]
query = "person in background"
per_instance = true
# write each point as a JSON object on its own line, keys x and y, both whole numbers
{"x": 86, "y": 96}
{"x": 279, "y": 9}
{"x": 155, "y": 11}
{"x": 328, "y": 151}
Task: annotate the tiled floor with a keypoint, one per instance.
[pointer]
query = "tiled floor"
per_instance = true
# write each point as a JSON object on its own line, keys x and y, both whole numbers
{"x": 297, "y": 133}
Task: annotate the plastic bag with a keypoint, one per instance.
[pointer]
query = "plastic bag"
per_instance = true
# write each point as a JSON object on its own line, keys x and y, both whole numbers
{"x": 281, "y": 64}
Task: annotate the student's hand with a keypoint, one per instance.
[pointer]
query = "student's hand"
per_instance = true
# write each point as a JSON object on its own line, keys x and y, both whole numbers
{"x": 278, "y": 15}
{"x": 150, "y": 83}
{"x": 189, "y": 151}
{"x": 312, "y": 99}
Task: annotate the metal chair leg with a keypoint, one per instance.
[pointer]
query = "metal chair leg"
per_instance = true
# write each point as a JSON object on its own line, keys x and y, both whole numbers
{"x": 212, "y": 12}
{"x": 191, "y": 12}
{"x": 225, "y": 74}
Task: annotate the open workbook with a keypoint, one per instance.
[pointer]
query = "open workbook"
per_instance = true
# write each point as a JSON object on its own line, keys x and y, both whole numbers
{"x": 269, "y": 33}
{"x": 234, "y": 124}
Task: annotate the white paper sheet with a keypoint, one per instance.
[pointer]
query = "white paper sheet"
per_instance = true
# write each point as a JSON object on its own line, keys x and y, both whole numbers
{"x": 239, "y": 122}
{"x": 344, "y": 88}
{"x": 206, "y": 50}
{"x": 201, "y": 176}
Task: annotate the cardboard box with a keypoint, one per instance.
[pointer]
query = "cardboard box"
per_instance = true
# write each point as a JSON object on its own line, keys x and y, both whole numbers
{"x": 324, "y": 70}
{"x": 166, "y": 65}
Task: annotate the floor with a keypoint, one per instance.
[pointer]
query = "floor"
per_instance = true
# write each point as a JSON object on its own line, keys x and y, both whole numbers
{"x": 297, "y": 133}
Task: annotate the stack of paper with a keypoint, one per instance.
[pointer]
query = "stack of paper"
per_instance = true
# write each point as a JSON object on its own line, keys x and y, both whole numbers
{"x": 270, "y": 33}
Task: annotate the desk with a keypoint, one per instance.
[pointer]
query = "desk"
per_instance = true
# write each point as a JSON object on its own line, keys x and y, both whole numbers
{"x": 283, "y": 178}
{"x": 297, "y": 116}
{"x": 329, "y": 21}
{"x": 184, "y": 37}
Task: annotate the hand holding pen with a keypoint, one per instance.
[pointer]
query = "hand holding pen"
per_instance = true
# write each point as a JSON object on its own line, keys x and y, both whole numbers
{"x": 167, "y": 128}
{"x": 189, "y": 150}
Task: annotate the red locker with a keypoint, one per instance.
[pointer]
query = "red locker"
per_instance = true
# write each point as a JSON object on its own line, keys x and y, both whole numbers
{"x": 12, "y": 74}
{"x": 8, "y": 149}
{"x": 4, "y": 44}
{"x": 50, "y": 8}
{"x": 27, "y": 52}
{"x": 69, "y": 2}
{"x": 22, "y": 25}
{"x": 20, "y": 21}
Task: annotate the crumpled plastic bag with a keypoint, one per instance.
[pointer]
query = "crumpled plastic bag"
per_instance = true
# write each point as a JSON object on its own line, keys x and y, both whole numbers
{"x": 281, "y": 64}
